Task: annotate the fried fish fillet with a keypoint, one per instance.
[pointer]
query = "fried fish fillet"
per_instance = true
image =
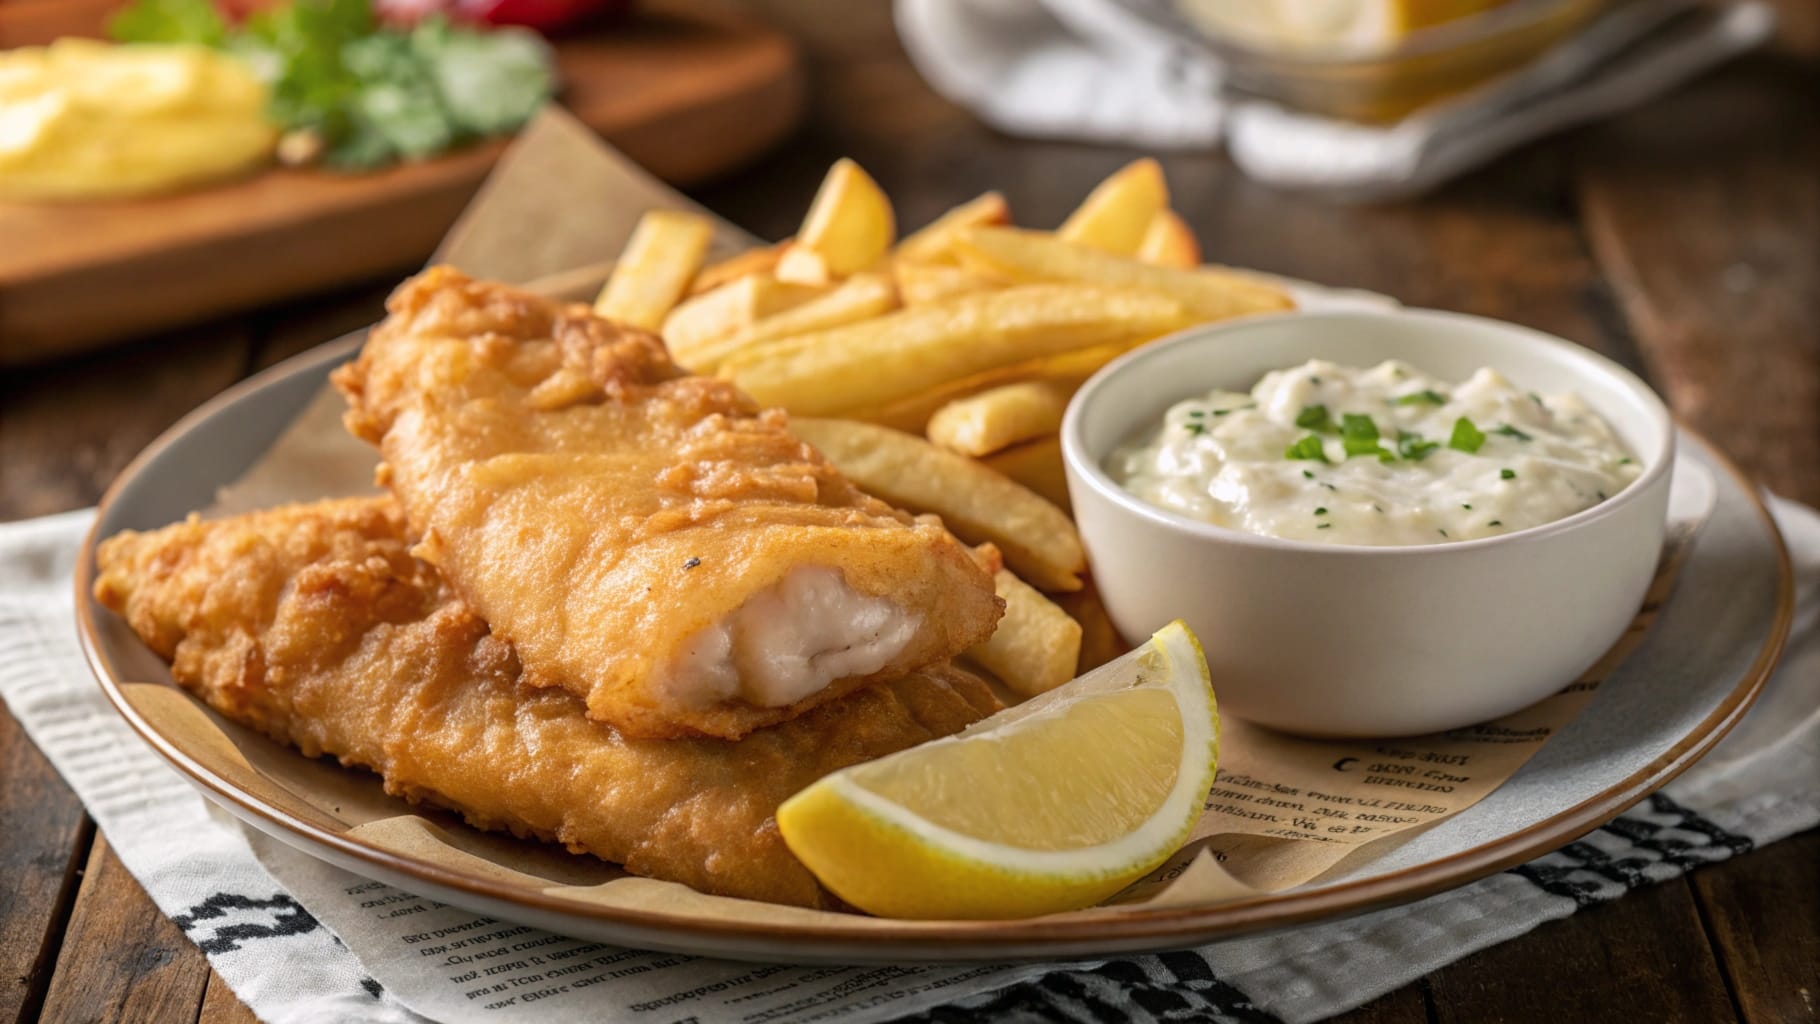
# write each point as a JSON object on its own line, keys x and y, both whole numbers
{"x": 648, "y": 539}
{"x": 316, "y": 625}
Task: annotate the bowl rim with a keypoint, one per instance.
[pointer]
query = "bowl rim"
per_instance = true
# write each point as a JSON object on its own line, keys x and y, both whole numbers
{"x": 1081, "y": 466}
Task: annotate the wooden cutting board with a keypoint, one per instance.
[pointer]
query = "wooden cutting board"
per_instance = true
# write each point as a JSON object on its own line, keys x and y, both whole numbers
{"x": 686, "y": 94}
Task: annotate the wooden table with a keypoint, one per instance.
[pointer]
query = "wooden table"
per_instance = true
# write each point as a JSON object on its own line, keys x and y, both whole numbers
{"x": 1683, "y": 239}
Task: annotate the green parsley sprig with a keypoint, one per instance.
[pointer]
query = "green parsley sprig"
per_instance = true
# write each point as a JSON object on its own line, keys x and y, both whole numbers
{"x": 362, "y": 93}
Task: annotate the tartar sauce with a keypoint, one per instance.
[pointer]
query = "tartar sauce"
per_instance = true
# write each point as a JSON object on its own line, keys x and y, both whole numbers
{"x": 1379, "y": 456}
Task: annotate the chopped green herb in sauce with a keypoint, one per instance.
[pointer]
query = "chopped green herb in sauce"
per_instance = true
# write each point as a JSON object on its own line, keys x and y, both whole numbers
{"x": 1507, "y": 474}
{"x": 1466, "y": 436}
{"x": 1509, "y": 431}
{"x": 1307, "y": 448}
{"x": 1413, "y": 446}
{"x": 1426, "y": 396}
{"x": 1360, "y": 436}
{"x": 1316, "y": 418}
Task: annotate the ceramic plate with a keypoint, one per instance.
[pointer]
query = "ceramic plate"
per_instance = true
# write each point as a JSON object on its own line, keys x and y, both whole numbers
{"x": 1695, "y": 675}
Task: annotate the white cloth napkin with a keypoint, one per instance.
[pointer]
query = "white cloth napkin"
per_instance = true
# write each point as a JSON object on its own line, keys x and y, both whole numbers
{"x": 1125, "y": 71}
{"x": 300, "y": 941}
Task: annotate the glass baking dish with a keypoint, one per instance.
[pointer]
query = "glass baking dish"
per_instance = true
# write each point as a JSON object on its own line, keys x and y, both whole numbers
{"x": 1385, "y": 82}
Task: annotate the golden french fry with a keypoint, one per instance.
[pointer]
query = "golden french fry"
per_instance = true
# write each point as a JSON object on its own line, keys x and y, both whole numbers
{"x": 912, "y": 412}
{"x": 923, "y": 283}
{"x": 1036, "y": 646}
{"x": 929, "y": 243}
{"x": 1038, "y": 466}
{"x": 848, "y": 229}
{"x": 861, "y": 366}
{"x": 1208, "y": 293}
{"x": 1169, "y": 242}
{"x": 660, "y": 259}
{"x": 860, "y": 297}
{"x": 729, "y": 309}
{"x": 1118, "y": 211}
{"x": 1000, "y": 417}
{"x": 805, "y": 266}
{"x": 762, "y": 260}
{"x": 978, "y": 505}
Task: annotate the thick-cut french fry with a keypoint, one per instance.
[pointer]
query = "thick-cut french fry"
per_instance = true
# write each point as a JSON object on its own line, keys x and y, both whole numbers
{"x": 997, "y": 418}
{"x": 1209, "y": 293}
{"x": 860, "y": 297}
{"x": 929, "y": 244}
{"x": 866, "y": 365}
{"x": 660, "y": 259}
{"x": 729, "y": 309}
{"x": 1169, "y": 242}
{"x": 980, "y": 506}
{"x": 848, "y": 229}
{"x": 920, "y": 284}
{"x": 762, "y": 260}
{"x": 1038, "y": 466}
{"x": 1036, "y": 647}
{"x": 911, "y": 413}
{"x": 805, "y": 266}
{"x": 1118, "y": 211}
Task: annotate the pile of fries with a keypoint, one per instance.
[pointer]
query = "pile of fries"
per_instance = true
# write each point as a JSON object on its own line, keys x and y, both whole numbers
{"x": 934, "y": 370}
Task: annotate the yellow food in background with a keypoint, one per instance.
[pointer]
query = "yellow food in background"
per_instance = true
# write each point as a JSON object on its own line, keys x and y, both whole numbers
{"x": 1052, "y": 805}
{"x": 1352, "y": 26}
{"x": 81, "y": 119}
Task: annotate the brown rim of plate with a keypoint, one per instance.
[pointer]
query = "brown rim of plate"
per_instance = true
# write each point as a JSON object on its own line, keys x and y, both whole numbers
{"x": 1155, "y": 927}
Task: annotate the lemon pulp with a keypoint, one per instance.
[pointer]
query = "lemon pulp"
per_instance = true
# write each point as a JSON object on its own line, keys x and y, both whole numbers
{"x": 1020, "y": 788}
{"x": 1052, "y": 805}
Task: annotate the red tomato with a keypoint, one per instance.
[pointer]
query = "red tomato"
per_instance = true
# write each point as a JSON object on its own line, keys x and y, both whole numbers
{"x": 542, "y": 15}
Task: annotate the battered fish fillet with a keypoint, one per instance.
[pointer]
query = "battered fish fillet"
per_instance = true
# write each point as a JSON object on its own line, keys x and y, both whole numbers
{"x": 648, "y": 539}
{"x": 314, "y": 624}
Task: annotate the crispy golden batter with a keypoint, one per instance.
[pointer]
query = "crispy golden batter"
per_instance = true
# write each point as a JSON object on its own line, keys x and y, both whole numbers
{"x": 605, "y": 511}
{"x": 315, "y": 624}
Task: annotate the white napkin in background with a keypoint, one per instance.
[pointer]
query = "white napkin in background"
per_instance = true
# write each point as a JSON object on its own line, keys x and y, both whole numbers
{"x": 281, "y": 946}
{"x": 1114, "y": 71}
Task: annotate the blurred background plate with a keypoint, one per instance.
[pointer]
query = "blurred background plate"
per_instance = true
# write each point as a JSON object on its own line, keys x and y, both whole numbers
{"x": 687, "y": 94}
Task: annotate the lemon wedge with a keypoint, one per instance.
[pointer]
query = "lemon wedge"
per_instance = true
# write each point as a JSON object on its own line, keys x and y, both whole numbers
{"x": 1052, "y": 805}
{"x": 1292, "y": 26}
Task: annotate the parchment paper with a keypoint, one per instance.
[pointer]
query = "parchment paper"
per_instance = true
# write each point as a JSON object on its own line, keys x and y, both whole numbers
{"x": 1283, "y": 810}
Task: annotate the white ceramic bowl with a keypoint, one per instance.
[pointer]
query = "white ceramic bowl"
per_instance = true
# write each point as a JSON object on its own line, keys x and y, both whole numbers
{"x": 1333, "y": 640}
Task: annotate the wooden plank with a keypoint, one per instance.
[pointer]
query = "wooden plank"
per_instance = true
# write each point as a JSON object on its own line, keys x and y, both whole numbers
{"x": 221, "y": 1006}
{"x": 67, "y": 429}
{"x": 122, "y": 959}
{"x": 1704, "y": 211}
{"x": 1641, "y": 958}
{"x": 687, "y": 96}
{"x": 1762, "y": 912}
{"x": 43, "y": 847}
